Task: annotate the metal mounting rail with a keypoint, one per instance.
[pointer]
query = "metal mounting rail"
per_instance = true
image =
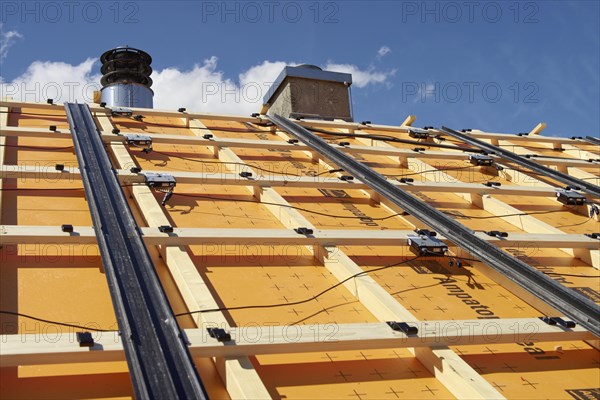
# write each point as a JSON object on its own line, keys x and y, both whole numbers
{"x": 592, "y": 140}
{"x": 558, "y": 296}
{"x": 160, "y": 364}
{"x": 524, "y": 162}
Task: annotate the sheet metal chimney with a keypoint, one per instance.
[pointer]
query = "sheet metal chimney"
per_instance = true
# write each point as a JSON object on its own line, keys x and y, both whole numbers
{"x": 306, "y": 91}
{"x": 126, "y": 78}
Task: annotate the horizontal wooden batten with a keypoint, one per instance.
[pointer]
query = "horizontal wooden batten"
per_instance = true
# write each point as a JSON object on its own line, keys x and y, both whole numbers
{"x": 34, "y": 349}
{"x": 13, "y": 234}
{"x": 274, "y": 179}
{"x": 304, "y": 122}
{"x": 277, "y": 145}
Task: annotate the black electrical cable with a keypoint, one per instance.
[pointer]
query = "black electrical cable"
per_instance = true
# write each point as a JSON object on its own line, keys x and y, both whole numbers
{"x": 36, "y": 114}
{"x": 199, "y": 196}
{"x": 453, "y": 140}
{"x": 222, "y": 162}
{"x": 546, "y": 273}
{"x": 501, "y": 216}
{"x": 294, "y": 303}
{"x": 300, "y": 208}
{"x": 87, "y": 328}
{"x": 224, "y": 308}
{"x": 388, "y": 138}
{"x": 223, "y": 129}
{"x": 577, "y": 224}
{"x": 49, "y": 189}
{"x": 572, "y": 275}
{"x": 28, "y": 189}
{"x": 432, "y": 170}
{"x": 216, "y": 128}
{"x": 20, "y": 146}
{"x": 331, "y": 171}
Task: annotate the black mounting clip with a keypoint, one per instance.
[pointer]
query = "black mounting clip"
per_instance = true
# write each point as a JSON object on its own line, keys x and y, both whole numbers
{"x": 66, "y": 228}
{"x": 559, "y": 321}
{"x": 165, "y": 229}
{"x": 492, "y": 184}
{"x": 303, "y": 231}
{"x": 499, "y": 234}
{"x": 220, "y": 334}
{"x": 403, "y": 327}
{"x": 85, "y": 339}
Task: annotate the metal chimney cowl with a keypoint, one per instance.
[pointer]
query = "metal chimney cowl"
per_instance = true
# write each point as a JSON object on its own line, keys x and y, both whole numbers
{"x": 306, "y": 91}
{"x": 126, "y": 78}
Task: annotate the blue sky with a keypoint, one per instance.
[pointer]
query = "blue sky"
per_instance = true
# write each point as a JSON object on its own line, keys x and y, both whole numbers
{"x": 495, "y": 66}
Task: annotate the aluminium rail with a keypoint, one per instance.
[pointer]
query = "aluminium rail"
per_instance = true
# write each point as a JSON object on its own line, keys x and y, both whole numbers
{"x": 160, "y": 364}
{"x": 592, "y": 140}
{"x": 587, "y": 187}
{"x": 558, "y": 296}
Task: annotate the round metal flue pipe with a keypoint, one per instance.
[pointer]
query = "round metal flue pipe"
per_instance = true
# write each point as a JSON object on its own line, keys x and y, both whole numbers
{"x": 126, "y": 78}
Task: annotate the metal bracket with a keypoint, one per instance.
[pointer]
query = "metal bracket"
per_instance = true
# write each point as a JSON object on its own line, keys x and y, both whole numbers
{"x": 121, "y": 111}
{"x": 164, "y": 183}
{"x": 427, "y": 245}
{"x": 570, "y": 197}
{"x": 418, "y": 133}
{"x": 159, "y": 181}
{"x": 480, "y": 159}
{"x": 134, "y": 139}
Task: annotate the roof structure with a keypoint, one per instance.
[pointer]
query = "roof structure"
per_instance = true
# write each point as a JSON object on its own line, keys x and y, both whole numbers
{"x": 308, "y": 269}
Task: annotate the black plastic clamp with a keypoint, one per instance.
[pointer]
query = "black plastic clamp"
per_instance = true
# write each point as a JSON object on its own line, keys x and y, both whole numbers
{"x": 219, "y": 333}
{"x": 403, "y": 327}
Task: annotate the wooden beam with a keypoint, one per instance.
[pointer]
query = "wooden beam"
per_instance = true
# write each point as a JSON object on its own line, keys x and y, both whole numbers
{"x": 265, "y": 179}
{"x": 409, "y": 120}
{"x": 280, "y": 145}
{"x": 304, "y": 122}
{"x": 37, "y": 349}
{"x": 22, "y": 234}
{"x": 538, "y": 129}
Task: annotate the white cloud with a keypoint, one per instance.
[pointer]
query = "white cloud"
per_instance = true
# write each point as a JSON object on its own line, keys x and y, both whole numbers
{"x": 7, "y": 39}
{"x": 202, "y": 88}
{"x": 425, "y": 92}
{"x": 205, "y": 89}
{"x": 383, "y": 50}
{"x": 56, "y": 80}
{"x": 362, "y": 78}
